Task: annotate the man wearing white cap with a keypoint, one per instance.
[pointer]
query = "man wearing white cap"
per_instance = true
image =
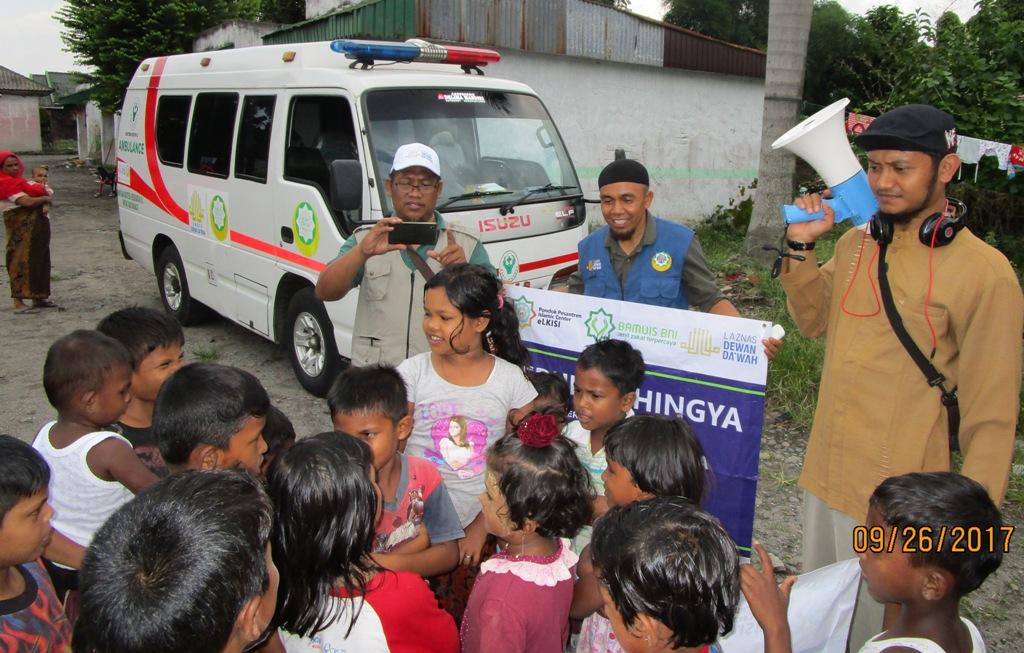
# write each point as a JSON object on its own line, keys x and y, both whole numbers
{"x": 390, "y": 309}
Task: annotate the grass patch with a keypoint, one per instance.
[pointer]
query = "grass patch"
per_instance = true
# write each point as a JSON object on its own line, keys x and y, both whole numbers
{"x": 206, "y": 355}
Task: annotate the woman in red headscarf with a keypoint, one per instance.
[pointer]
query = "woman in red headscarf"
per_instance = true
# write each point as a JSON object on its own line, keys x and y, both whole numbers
{"x": 23, "y": 204}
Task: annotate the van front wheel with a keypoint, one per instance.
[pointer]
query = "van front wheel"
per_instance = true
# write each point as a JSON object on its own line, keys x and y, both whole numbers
{"x": 309, "y": 341}
{"x": 170, "y": 277}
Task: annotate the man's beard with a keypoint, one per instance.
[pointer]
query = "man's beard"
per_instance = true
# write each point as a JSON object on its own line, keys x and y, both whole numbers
{"x": 623, "y": 235}
{"x": 906, "y": 216}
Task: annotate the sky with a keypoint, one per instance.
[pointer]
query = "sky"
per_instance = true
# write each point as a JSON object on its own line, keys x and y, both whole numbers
{"x": 32, "y": 42}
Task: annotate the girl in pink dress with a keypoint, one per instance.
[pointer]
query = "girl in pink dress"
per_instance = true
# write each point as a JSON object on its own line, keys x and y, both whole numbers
{"x": 536, "y": 494}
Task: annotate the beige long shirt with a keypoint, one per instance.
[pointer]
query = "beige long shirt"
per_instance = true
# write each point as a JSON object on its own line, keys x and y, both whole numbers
{"x": 876, "y": 415}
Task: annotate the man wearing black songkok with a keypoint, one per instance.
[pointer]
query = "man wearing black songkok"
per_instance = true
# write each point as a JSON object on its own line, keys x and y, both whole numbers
{"x": 638, "y": 257}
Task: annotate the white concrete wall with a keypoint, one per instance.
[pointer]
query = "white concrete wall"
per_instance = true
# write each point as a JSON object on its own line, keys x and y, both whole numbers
{"x": 316, "y": 8}
{"x": 100, "y": 132}
{"x": 19, "y": 123}
{"x": 239, "y": 33}
{"x": 697, "y": 133}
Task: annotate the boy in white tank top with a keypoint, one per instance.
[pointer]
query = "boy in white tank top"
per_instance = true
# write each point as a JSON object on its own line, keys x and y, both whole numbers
{"x": 94, "y": 471}
{"x": 929, "y": 539}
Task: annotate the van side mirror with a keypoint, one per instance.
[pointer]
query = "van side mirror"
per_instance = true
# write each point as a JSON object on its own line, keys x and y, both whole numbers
{"x": 346, "y": 185}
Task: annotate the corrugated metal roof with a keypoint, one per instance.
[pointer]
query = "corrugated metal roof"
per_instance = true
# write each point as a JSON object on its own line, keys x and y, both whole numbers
{"x": 577, "y": 28}
{"x": 598, "y": 31}
{"x": 694, "y": 51}
{"x": 15, "y": 84}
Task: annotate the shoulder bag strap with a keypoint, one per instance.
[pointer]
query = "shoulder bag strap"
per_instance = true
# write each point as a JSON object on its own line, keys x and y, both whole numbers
{"x": 935, "y": 378}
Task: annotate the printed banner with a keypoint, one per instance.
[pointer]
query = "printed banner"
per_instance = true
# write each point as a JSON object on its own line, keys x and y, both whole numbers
{"x": 709, "y": 369}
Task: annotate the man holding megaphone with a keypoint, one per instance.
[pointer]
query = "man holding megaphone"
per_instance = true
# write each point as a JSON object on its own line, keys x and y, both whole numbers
{"x": 923, "y": 324}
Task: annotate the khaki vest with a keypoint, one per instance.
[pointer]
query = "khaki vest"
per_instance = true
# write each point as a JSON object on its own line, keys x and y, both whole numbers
{"x": 389, "y": 316}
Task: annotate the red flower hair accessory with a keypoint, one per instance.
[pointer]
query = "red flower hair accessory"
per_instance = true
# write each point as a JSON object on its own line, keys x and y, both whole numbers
{"x": 538, "y": 430}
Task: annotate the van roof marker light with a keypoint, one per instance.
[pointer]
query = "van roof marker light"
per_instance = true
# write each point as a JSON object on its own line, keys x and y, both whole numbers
{"x": 367, "y": 53}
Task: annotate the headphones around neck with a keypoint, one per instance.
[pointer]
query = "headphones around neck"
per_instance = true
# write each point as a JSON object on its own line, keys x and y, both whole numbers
{"x": 948, "y": 226}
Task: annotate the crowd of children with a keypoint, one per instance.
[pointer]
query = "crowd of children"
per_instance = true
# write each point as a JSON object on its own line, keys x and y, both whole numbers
{"x": 170, "y": 507}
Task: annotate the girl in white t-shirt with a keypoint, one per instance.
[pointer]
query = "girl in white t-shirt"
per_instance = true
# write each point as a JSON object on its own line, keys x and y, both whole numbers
{"x": 462, "y": 390}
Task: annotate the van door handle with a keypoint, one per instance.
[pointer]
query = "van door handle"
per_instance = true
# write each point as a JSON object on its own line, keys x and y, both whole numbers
{"x": 287, "y": 235}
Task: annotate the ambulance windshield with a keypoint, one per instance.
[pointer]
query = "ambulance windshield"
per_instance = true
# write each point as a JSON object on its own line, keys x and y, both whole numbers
{"x": 493, "y": 146}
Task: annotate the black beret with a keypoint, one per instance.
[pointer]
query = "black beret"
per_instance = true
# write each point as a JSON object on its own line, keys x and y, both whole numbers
{"x": 912, "y": 127}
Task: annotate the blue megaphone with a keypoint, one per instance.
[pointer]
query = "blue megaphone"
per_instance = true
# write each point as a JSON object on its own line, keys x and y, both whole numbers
{"x": 821, "y": 141}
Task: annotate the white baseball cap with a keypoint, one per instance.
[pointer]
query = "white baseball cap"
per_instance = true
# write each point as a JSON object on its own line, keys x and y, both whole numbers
{"x": 416, "y": 154}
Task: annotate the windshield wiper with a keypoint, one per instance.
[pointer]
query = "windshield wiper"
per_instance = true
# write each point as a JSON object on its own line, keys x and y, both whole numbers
{"x": 511, "y": 206}
{"x": 472, "y": 195}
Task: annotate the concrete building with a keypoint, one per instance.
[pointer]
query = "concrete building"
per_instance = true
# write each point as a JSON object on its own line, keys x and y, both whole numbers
{"x": 19, "y": 112}
{"x": 687, "y": 105}
{"x": 233, "y": 34}
{"x": 96, "y": 129}
{"x": 57, "y": 121}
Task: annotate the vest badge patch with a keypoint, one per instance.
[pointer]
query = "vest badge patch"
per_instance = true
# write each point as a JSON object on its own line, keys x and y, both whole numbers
{"x": 593, "y": 264}
{"x": 661, "y": 261}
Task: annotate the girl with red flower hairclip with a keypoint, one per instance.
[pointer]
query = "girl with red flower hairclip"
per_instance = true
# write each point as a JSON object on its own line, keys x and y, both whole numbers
{"x": 536, "y": 494}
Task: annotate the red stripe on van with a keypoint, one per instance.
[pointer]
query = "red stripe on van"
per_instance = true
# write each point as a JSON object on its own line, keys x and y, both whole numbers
{"x": 546, "y": 262}
{"x": 279, "y": 252}
{"x": 166, "y": 200}
{"x": 137, "y": 184}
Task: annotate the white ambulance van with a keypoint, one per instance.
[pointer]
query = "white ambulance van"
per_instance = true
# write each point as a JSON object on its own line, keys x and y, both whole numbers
{"x": 242, "y": 172}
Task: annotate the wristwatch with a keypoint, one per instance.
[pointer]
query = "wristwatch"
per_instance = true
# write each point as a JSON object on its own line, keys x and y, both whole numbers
{"x": 798, "y": 246}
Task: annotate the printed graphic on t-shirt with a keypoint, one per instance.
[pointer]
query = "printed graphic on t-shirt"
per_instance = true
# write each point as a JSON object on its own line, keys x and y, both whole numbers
{"x": 460, "y": 443}
{"x": 404, "y": 529}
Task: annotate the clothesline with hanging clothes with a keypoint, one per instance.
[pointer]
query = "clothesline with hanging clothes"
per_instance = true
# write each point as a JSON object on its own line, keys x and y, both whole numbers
{"x": 970, "y": 150}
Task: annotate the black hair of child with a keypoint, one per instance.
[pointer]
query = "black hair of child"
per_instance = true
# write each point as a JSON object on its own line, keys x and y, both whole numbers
{"x": 667, "y": 559}
{"x": 205, "y": 403}
{"x": 477, "y": 292}
{"x": 187, "y": 553}
{"x": 370, "y": 390}
{"x": 322, "y": 481}
{"x": 548, "y": 485}
{"x": 662, "y": 454}
{"x": 23, "y": 472}
{"x": 79, "y": 362}
{"x": 549, "y": 384}
{"x": 142, "y": 330}
{"x": 950, "y": 501}
{"x": 278, "y": 432}
{"x": 616, "y": 359}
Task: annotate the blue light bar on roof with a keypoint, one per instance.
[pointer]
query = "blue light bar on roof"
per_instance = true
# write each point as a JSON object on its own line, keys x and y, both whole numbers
{"x": 414, "y": 50}
{"x": 362, "y": 50}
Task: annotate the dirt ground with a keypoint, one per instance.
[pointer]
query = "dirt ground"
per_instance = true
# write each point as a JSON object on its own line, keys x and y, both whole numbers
{"x": 92, "y": 279}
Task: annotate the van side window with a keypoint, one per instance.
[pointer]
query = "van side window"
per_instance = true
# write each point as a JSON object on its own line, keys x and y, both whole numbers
{"x": 213, "y": 125}
{"x": 171, "y": 124}
{"x": 320, "y": 130}
{"x": 253, "y": 147}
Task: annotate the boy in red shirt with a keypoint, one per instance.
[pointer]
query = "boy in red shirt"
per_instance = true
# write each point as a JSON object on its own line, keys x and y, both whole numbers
{"x": 419, "y": 528}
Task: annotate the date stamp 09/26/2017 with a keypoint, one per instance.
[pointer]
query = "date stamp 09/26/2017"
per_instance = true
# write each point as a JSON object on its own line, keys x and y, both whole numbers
{"x": 925, "y": 539}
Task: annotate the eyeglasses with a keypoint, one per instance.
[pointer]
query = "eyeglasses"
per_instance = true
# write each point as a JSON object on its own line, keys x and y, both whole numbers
{"x": 424, "y": 185}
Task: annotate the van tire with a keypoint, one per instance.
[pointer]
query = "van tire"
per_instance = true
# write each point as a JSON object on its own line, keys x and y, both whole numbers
{"x": 309, "y": 343}
{"x": 173, "y": 286}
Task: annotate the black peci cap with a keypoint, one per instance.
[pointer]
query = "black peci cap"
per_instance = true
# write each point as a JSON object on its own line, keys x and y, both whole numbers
{"x": 912, "y": 127}
{"x": 624, "y": 170}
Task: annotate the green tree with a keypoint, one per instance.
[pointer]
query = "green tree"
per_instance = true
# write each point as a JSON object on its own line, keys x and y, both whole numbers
{"x": 833, "y": 51}
{"x": 744, "y": 22}
{"x": 283, "y": 11}
{"x": 113, "y": 36}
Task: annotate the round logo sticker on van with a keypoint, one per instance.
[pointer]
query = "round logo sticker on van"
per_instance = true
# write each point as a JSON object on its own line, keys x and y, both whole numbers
{"x": 219, "y": 217}
{"x": 508, "y": 267}
{"x": 307, "y": 231}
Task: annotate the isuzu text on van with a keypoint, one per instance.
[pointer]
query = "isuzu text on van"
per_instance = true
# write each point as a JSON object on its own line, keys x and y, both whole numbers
{"x": 241, "y": 173}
